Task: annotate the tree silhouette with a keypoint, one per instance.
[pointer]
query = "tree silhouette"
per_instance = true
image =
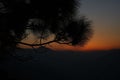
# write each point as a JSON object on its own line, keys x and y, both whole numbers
{"x": 44, "y": 18}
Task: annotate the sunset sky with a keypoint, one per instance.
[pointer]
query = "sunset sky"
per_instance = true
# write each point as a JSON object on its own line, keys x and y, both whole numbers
{"x": 105, "y": 16}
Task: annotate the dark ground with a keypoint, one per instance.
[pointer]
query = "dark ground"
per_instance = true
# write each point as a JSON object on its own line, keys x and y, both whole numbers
{"x": 45, "y": 64}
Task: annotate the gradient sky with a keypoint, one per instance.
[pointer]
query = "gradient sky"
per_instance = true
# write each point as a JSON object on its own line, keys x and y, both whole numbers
{"x": 105, "y": 16}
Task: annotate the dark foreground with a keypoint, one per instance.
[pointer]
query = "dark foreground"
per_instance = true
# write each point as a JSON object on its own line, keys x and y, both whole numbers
{"x": 45, "y": 64}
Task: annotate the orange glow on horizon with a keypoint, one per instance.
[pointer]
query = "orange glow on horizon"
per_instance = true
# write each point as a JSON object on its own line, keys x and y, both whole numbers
{"x": 97, "y": 42}
{"x": 88, "y": 47}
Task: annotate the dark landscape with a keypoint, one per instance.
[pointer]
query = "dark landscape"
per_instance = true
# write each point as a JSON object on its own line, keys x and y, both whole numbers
{"x": 43, "y": 63}
{"x": 59, "y": 25}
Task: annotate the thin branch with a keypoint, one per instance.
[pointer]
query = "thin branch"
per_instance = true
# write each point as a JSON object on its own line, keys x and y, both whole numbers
{"x": 36, "y": 44}
{"x": 43, "y": 43}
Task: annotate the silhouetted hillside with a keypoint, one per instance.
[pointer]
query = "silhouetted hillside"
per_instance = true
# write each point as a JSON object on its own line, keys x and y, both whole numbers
{"x": 43, "y": 63}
